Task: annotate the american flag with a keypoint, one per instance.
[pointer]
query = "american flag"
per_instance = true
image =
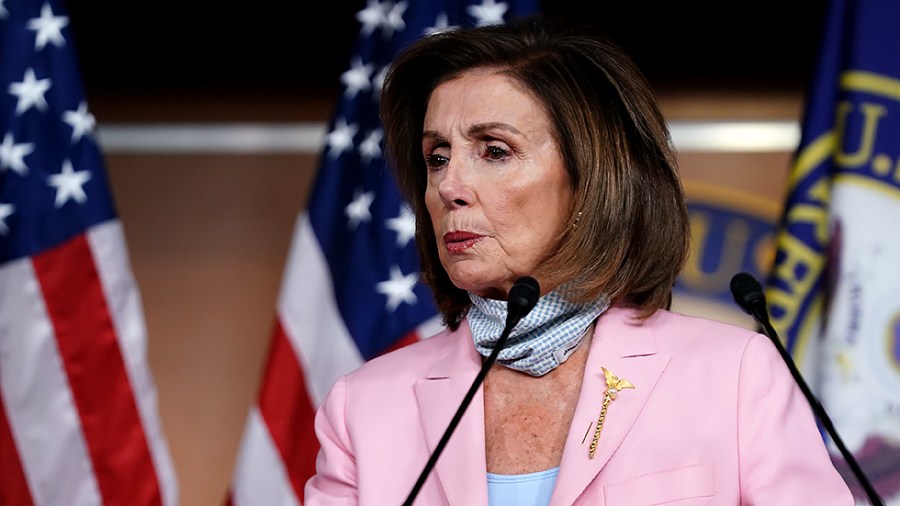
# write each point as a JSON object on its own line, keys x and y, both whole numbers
{"x": 350, "y": 290}
{"x": 78, "y": 414}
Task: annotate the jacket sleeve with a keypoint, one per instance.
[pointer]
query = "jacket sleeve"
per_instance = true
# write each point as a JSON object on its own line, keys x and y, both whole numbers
{"x": 783, "y": 458}
{"x": 335, "y": 481}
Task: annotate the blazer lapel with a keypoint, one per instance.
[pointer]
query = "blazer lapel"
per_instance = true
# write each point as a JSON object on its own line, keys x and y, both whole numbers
{"x": 461, "y": 467}
{"x": 629, "y": 352}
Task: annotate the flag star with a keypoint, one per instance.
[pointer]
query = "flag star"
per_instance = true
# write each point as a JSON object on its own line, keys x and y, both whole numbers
{"x": 371, "y": 17}
{"x": 404, "y": 225}
{"x": 357, "y": 78}
{"x": 12, "y": 155}
{"x": 5, "y": 211}
{"x": 398, "y": 289}
{"x": 358, "y": 210}
{"x": 393, "y": 18}
{"x": 3, "y": 12}
{"x": 340, "y": 138}
{"x": 48, "y": 28}
{"x": 441, "y": 24}
{"x": 81, "y": 121}
{"x": 370, "y": 148}
{"x": 69, "y": 184}
{"x": 30, "y": 92}
{"x": 488, "y": 13}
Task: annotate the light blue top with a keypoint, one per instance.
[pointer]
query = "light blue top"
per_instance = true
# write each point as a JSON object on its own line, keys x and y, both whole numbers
{"x": 532, "y": 489}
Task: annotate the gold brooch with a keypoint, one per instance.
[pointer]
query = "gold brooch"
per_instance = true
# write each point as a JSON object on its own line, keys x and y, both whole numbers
{"x": 614, "y": 385}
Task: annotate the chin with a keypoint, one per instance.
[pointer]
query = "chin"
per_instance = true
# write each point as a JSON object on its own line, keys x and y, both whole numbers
{"x": 484, "y": 286}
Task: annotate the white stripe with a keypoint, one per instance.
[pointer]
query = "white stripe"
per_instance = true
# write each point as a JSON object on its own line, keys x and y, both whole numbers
{"x": 310, "y": 316}
{"x": 260, "y": 476}
{"x": 124, "y": 302}
{"x": 308, "y": 138}
{"x": 42, "y": 415}
{"x": 430, "y": 327}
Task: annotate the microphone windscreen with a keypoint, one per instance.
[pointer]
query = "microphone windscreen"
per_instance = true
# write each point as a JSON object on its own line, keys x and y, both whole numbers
{"x": 747, "y": 291}
{"x": 523, "y": 296}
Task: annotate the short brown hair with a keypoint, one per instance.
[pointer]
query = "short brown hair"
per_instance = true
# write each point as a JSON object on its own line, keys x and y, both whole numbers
{"x": 631, "y": 237}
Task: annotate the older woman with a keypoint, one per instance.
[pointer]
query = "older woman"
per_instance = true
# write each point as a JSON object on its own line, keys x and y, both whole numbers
{"x": 535, "y": 150}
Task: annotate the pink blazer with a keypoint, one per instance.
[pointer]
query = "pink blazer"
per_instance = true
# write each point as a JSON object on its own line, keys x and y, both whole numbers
{"x": 714, "y": 418}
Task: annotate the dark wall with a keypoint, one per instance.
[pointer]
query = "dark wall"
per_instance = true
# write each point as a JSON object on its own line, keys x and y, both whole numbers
{"x": 272, "y": 46}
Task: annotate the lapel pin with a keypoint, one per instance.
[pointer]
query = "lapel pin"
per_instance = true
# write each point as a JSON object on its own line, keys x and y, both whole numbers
{"x": 614, "y": 385}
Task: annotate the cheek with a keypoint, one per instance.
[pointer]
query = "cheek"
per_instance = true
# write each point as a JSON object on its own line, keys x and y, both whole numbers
{"x": 506, "y": 205}
{"x": 432, "y": 202}
{"x": 508, "y": 217}
{"x": 545, "y": 209}
{"x": 523, "y": 207}
{"x": 435, "y": 210}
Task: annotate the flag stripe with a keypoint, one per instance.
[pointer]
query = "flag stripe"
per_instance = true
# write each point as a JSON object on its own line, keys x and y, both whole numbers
{"x": 288, "y": 411}
{"x": 12, "y": 478}
{"x": 107, "y": 242}
{"x": 41, "y": 411}
{"x": 409, "y": 338}
{"x": 260, "y": 476}
{"x": 79, "y": 402}
{"x": 317, "y": 332}
{"x": 97, "y": 376}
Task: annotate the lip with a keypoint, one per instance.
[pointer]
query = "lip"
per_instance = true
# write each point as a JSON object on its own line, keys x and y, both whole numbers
{"x": 457, "y": 242}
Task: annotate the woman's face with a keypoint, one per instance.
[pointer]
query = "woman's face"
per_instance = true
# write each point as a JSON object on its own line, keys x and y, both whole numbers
{"x": 498, "y": 193}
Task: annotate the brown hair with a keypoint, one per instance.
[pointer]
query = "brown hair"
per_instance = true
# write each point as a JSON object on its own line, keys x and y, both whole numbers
{"x": 632, "y": 237}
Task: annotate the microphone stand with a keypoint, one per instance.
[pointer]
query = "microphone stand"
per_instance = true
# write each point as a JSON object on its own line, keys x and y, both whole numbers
{"x": 485, "y": 367}
{"x": 754, "y": 304}
{"x": 522, "y": 298}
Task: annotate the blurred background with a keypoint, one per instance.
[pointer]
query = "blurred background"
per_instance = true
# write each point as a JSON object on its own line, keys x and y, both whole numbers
{"x": 212, "y": 119}
{"x": 275, "y": 47}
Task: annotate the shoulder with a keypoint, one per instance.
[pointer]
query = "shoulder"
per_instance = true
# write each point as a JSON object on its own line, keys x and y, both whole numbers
{"x": 702, "y": 347}
{"x": 409, "y": 362}
{"x": 672, "y": 329}
{"x": 387, "y": 383}
{"x": 674, "y": 320}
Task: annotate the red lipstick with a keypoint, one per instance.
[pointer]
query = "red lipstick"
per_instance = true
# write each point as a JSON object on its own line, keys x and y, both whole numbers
{"x": 457, "y": 242}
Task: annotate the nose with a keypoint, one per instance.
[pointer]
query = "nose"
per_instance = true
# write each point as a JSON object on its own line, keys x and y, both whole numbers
{"x": 455, "y": 187}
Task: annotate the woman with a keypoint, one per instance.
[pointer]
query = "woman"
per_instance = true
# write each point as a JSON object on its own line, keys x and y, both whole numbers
{"x": 533, "y": 150}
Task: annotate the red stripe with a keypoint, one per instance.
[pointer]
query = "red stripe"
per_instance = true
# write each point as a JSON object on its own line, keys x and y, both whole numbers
{"x": 410, "y": 337}
{"x": 13, "y": 487}
{"x": 97, "y": 377}
{"x": 288, "y": 411}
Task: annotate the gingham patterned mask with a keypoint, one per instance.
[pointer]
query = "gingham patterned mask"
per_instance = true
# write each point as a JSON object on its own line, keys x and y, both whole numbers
{"x": 542, "y": 340}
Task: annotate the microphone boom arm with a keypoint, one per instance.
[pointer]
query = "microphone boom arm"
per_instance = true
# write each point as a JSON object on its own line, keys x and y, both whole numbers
{"x": 749, "y": 296}
{"x": 522, "y": 298}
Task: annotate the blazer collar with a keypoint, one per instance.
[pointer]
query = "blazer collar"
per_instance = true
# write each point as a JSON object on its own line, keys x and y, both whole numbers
{"x": 627, "y": 348}
{"x": 620, "y": 343}
{"x": 461, "y": 467}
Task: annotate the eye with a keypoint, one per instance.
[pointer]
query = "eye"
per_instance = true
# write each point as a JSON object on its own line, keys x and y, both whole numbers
{"x": 494, "y": 152}
{"x": 435, "y": 162}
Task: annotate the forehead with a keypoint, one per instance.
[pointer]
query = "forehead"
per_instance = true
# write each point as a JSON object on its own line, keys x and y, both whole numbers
{"x": 483, "y": 94}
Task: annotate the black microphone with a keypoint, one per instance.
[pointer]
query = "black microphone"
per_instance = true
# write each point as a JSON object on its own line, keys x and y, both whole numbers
{"x": 521, "y": 300}
{"x": 749, "y": 295}
{"x": 522, "y": 297}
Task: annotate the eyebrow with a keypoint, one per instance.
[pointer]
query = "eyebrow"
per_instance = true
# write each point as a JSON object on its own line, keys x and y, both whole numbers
{"x": 475, "y": 130}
